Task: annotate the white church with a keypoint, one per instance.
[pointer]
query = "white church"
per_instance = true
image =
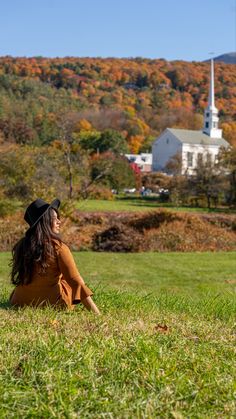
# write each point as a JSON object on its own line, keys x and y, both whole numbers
{"x": 191, "y": 146}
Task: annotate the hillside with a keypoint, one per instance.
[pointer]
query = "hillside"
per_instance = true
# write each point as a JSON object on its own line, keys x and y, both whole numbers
{"x": 229, "y": 58}
{"x": 137, "y": 97}
{"x": 163, "y": 346}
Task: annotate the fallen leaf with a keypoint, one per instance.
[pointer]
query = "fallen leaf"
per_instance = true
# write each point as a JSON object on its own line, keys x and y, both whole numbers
{"x": 195, "y": 338}
{"x": 54, "y": 323}
{"x": 161, "y": 328}
{"x": 230, "y": 281}
{"x": 177, "y": 415}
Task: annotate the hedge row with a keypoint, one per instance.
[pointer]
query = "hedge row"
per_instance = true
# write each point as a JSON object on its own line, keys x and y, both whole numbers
{"x": 160, "y": 230}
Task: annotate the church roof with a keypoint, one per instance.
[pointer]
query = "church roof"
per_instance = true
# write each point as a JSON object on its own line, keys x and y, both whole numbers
{"x": 197, "y": 137}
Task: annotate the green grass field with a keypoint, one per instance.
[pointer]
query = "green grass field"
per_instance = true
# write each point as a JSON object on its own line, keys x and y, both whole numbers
{"x": 135, "y": 203}
{"x": 164, "y": 345}
{"x": 118, "y": 204}
{"x": 129, "y": 204}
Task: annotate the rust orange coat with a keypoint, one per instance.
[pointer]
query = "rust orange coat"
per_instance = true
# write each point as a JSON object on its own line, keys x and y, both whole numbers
{"x": 61, "y": 284}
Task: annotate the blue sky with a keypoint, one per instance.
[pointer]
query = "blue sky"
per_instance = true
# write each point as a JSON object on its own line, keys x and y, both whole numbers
{"x": 171, "y": 29}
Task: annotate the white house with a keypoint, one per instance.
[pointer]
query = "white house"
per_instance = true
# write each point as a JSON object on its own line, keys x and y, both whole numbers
{"x": 191, "y": 146}
{"x": 143, "y": 161}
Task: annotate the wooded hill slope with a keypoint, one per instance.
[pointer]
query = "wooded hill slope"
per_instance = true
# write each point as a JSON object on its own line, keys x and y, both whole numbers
{"x": 137, "y": 97}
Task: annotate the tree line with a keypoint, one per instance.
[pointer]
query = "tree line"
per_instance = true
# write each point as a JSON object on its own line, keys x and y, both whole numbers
{"x": 66, "y": 123}
{"x": 138, "y": 97}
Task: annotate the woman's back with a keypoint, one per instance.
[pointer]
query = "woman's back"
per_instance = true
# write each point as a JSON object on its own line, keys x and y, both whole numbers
{"x": 44, "y": 270}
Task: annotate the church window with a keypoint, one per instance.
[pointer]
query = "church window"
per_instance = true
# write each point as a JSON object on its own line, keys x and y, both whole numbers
{"x": 209, "y": 158}
{"x": 189, "y": 159}
{"x": 199, "y": 158}
{"x": 167, "y": 141}
{"x": 207, "y": 114}
{"x": 207, "y": 125}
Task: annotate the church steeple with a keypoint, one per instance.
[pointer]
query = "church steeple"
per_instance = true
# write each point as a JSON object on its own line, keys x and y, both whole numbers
{"x": 211, "y": 112}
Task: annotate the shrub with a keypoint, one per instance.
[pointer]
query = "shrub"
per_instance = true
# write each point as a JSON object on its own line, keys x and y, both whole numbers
{"x": 159, "y": 231}
{"x": 190, "y": 234}
{"x": 220, "y": 220}
{"x": 12, "y": 228}
{"x": 8, "y": 207}
{"x": 153, "y": 219}
{"x": 117, "y": 238}
{"x": 100, "y": 192}
{"x": 67, "y": 208}
{"x": 82, "y": 219}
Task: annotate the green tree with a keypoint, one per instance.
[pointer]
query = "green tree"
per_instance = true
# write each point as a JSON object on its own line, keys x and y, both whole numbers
{"x": 146, "y": 146}
{"x": 17, "y": 167}
{"x": 108, "y": 140}
{"x": 89, "y": 140}
{"x": 112, "y": 171}
{"x": 75, "y": 159}
{"x": 29, "y": 172}
{"x": 209, "y": 180}
{"x": 227, "y": 158}
{"x": 112, "y": 140}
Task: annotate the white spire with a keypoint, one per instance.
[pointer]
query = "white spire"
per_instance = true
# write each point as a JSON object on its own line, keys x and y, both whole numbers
{"x": 211, "y": 99}
{"x": 211, "y": 113}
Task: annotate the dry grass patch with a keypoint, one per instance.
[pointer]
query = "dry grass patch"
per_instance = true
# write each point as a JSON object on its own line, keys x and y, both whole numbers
{"x": 160, "y": 230}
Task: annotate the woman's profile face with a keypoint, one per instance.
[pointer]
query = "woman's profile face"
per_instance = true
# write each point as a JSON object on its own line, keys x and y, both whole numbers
{"x": 55, "y": 223}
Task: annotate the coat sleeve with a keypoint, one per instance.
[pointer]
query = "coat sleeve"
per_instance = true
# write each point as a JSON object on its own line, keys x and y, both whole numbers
{"x": 71, "y": 274}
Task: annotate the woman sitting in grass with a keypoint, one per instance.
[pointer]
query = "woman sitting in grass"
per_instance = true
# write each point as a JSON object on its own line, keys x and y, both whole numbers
{"x": 43, "y": 268}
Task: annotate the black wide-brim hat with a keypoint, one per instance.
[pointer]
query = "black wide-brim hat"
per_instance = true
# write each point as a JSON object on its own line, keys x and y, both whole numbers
{"x": 37, "y": 209}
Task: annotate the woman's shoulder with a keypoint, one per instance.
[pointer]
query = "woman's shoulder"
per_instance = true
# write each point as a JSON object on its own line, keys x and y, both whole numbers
{"x": 60, "y": 246}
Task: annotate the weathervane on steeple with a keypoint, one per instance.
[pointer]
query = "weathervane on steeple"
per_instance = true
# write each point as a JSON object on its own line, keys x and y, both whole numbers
{"x": 211, "y": 119}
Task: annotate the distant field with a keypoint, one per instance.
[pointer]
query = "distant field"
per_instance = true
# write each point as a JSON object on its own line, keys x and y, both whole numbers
{"x": 130, "y": 203}
{"x": 164, "y": 345}
{"x": 133, "y": 204}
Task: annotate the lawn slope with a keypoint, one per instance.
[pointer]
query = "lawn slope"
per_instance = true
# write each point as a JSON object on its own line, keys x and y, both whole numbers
{"x": 164, "y": 345}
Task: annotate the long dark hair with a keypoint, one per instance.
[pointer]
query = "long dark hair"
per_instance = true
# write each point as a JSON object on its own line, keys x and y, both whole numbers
{"x": 37, "y": 246}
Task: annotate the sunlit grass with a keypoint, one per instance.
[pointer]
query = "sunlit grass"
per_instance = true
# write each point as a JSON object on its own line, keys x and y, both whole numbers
{"x": 137, "y": 204}
{"x": 164, "y": 345}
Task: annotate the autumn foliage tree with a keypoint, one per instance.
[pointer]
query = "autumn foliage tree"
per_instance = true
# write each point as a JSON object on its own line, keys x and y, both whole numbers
{"x": 229, "y": 130}
{"x": 136, "y": 97}
{"x": 66, "y": 110}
